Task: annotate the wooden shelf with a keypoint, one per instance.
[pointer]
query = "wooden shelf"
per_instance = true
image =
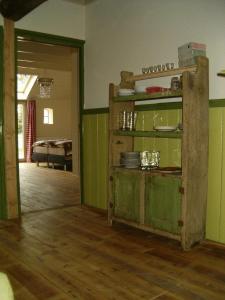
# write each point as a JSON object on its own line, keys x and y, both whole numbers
{"x": 144, "y": 96}
{"x": 171, "y": 203}
{"x": 221, "y": 73}
{"x": 166, "y": 73}
{"x": 159, "y": 134}
{"x": 152, "y": 172}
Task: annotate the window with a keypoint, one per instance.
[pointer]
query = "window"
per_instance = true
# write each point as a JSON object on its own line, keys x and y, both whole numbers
{"x": 25, "y": 83}
{"x": 48, "y": 116}
{"x": 21, "y": 130}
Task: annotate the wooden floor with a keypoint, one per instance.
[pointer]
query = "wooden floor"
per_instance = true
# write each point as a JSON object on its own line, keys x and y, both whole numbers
{"x": 46, "y": 188}
{"x": 71, "y": 253}
{"x": 64, "y": 251}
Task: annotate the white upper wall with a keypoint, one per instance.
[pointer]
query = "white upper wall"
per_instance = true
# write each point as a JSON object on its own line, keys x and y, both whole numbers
{"x": 131, "y": 34}
{"x": 56, "y": 17}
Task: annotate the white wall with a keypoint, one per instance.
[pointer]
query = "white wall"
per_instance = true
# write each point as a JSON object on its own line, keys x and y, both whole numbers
{"x": 61, "y": 103}
{"x": 56, "y": 17}
{"x": 130, "y": 34}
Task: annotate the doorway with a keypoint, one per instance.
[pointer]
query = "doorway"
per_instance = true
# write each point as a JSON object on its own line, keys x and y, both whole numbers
{"x": 26, "y": 63}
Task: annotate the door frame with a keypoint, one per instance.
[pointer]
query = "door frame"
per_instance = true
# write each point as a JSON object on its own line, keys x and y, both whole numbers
{"x": 69, "y": 42}
{"x": 3, "y": 198}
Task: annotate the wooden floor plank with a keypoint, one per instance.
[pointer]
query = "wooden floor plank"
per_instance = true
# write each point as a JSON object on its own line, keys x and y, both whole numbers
{"x": 55, "y": 251}
{"x": 46, "y": 188}
{"x": 69, "y": 252}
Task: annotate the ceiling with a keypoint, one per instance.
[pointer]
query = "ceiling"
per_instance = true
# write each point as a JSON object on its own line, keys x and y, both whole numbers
{"x": 33, "y": 55}
{"x": 17, "y": 9}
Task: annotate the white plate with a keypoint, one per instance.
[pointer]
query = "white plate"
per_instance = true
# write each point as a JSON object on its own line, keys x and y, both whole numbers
{"x": 165, "y": 128}
{"x": 125, "y": 94}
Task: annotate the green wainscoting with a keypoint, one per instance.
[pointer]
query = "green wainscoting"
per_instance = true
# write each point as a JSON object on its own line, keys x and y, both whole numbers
{"x": 96, "y": 148}
{"x": 170, "y": 149}
{"x": 95, "y": 159}
{"x": 215, "y": 225}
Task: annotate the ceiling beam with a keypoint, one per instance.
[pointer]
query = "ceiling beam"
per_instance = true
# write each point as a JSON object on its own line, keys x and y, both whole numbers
{"x": 45, "y": 58}
{"x": 40, "y": 65}
{"x": 35, "y": 47}
{"x": 17, "y": 9}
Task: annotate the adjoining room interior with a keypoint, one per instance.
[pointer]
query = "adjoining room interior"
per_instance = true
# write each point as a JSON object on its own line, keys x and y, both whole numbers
{"x": 46, "y": 125}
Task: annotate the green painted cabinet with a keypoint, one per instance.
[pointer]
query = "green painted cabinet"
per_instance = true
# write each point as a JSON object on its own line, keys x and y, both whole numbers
{"x": 163, "y": 203}
{"x": 126, "y": 195}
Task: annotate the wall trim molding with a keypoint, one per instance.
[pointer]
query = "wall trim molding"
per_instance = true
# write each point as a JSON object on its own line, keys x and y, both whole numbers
{"x": 96, "y": 111}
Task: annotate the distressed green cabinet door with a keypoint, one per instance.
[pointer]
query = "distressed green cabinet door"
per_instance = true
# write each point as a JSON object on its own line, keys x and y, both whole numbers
{"x": 163, "y": 203}
{"x": 126, "y": 195}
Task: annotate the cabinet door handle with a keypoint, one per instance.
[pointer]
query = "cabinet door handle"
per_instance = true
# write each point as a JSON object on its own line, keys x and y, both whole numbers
{"x": 119, "y": 142}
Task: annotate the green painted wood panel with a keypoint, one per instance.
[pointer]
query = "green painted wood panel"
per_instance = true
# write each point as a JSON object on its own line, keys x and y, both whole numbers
{"x": 126, "y": 195}
{"x": 95, "y": 158}
{"x": 214, "y": 174}
{"x": 163, "y": 203}
{"x": 102, "y": 161}
{"x": 170, "y": 149}
{"x": 89, "y": 159}
{"x": 96, "y": 196}
{"x": 222, "y": 204}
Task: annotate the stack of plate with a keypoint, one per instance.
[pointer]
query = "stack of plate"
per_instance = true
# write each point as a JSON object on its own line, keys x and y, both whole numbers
{"x": 126, "y": 92}
{"x": 130, "y": 160}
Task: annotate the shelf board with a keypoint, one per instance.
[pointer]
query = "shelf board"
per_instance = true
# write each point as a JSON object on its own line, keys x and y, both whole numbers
{"x": 221, "y": 73}
{"x": 141, "y": 133}
{"x": 152, "y": 172}
{"x": 145, "y": 96}
{"x": 160, "y": 74}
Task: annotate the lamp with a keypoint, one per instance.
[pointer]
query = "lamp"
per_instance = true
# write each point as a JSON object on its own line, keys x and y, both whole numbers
{"x": 45, "y": 85}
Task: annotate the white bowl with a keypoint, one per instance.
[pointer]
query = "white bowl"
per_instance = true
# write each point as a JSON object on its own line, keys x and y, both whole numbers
{"x": 140, "y": 89}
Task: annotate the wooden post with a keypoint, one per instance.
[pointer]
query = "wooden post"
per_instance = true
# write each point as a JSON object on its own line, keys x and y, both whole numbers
{"x": 195, "y": 152}
{"x": 75, "y": 111}
{"x": 9, "y": 120}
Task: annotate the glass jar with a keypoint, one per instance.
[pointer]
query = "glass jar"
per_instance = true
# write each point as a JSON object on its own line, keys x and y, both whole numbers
{"x": 175, "y": 84}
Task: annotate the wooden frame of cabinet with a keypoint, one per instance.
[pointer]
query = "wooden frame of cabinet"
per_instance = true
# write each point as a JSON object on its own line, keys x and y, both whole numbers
{"x": 194, "y": 162}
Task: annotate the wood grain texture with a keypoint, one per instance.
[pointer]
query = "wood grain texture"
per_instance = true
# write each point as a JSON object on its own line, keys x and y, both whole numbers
{"x": 172, "y": 72}
{"x": 71, "y": 253}
{"x": 195, "y": 152}
{"x": 46, "y": 188}
{"x": 194, "y": 156}
{"x": 9, "y": 120}
{"x": 116, "y": 144}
